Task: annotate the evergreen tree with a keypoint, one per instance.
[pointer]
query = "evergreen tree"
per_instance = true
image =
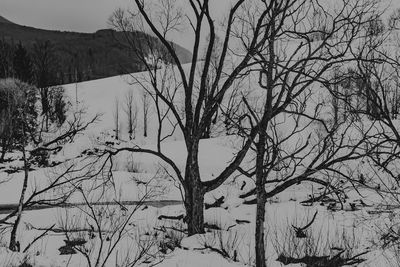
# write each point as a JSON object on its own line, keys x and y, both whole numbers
{"x": 6, "y": 59}
{"x": 22, "y": 64}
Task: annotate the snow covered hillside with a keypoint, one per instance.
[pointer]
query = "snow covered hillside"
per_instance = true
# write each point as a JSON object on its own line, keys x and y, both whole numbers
{"x": 135, "y": 174}
{"x": 277, "y": 147}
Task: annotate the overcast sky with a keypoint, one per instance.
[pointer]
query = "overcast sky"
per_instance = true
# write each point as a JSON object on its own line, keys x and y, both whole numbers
{"x": 76, "y": 15}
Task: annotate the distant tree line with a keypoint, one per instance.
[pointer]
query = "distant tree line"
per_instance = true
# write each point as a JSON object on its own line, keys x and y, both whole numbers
{"x": 28, "y": 78}
{"x": 46, "y": 62}
{"x": 40, "y": 65}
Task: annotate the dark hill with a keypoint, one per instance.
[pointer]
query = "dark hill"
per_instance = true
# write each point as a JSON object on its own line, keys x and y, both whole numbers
{"x": 4, "y": 20}
{"x": 83, "y": 56}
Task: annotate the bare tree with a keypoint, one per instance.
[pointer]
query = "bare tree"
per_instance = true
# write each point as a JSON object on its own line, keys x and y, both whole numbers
{"x": 164, "y": 78}
{"x": 200, "y": 107}
{"x": 215, "y": 53}
{"x": 131, "y": 112}
{"x": 146, "y": 108}
{"x": 336, "y": 104}
{"x": 44, "y": 68}
{"x": 380, "y": 70}
{"x": 37, "y": 156}
{"x": 14, "y": 244}
{"x": 98, "y": 231}
{"x": 16, "y": 98}
{"x": 290, "y": 64}
{"x": 116, "y": 118}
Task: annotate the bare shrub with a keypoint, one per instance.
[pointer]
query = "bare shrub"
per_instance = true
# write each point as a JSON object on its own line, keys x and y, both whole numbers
{"x": 103, "y": 231}
{"x": 318, "y": 247}
{"x": 132, "y": 165}
{"x": 171, "y": 235}
{"x": 226, "y": 243}
{"x": 229, "y": 243}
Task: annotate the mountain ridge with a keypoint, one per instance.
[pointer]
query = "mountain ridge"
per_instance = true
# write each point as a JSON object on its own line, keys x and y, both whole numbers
{"x": 4, "y": 20}
{"x": 84, "y": 56}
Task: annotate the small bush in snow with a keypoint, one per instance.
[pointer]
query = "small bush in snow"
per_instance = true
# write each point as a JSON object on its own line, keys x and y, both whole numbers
{"x": 318, "y": 247}
{"x": 133, "y": 166}
{"x": 171, "y": 236}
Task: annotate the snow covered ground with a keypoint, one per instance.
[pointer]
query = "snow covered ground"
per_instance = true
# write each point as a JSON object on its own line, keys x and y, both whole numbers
{"x": 161, "y": 241}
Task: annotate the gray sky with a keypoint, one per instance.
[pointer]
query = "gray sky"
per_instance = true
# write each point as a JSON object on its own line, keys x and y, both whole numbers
{"x": 78, "y": 15}
{"x": 73, "y": 15}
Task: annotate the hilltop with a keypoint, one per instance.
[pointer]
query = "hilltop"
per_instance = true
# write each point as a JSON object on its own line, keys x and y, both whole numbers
{"x": 4, "y": 20}
{"x": 82, "y": 56}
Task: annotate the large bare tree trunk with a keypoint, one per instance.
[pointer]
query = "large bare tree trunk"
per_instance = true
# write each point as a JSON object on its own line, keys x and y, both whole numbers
{"x": 194, "y": 199}
{"x": 194, "y": 194}
{"x": 261, "y": 198}
{"x": 260, "y": 219}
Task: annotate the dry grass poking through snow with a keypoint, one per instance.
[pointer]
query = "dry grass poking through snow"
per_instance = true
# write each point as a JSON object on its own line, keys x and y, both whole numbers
{"x": 318, "y": 245}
